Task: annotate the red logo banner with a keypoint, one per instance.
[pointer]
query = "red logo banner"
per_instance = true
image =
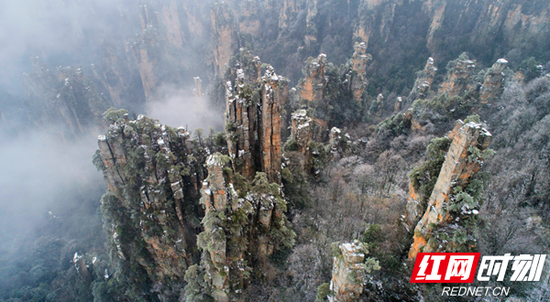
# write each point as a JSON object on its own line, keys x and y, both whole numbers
{"x": 445, "y": 267}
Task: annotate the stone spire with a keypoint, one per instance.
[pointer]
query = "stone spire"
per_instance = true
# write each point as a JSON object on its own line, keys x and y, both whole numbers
{"x": 493, "y": 81}
{"x": 459, "y": 78}
{"x": 461, "y": 164}
{"x": 424, "y": 81}
{"x": 314, "y": 82}
{"x": 254, "y": 132}
{"x": 359, "y": 65}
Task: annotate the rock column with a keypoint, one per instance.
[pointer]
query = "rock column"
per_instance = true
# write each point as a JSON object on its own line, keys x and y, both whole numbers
{"x": 457, "y": 170}
{"x": 493, "y": 81}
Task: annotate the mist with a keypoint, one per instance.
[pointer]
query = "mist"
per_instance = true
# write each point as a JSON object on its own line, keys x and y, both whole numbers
{"x": 37, "y": 170}
{"x": 49, "y": 187}
{"x": 181, "y": 109}
{"x": 56, "y": 31}
{"x": 39, "y": 175}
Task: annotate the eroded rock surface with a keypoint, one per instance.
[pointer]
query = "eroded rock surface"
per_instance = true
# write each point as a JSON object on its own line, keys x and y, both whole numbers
{"x": 233, "y": 239}
{"x": 458, "y": 78}
{"x": 314, "y": 82}
{"x": 347, "y": 273}
{"x": 151, "y": 200}
{"x": 253, "y": 117}
{"x": 424, "y": 81}
{"x": 359, "y": 62}
{"x": 462, "y": 162}
{"x": 493, "y": 81}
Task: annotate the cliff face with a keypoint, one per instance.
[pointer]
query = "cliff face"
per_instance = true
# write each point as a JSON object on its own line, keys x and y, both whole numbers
{"x": 67, "y": 99}
{"x": 368, "y": 10}
{"x": 224, "y": 35}
{"x": 514, "y": 22}
{"x": 115, "y": 74}
{"x": 249, "y": 21}
{"x": 148, "y": 53}
{"x": 288, "y": 11}
{"x": 445, "y": 28}
{"x": 252, "y": 129}
{"x": 150, "y": 207}
{"x": 151, "y": 48}
{"x": 451, "y": 203}
{"x": 175, "y": 36}
{"x": 169, "y": 46}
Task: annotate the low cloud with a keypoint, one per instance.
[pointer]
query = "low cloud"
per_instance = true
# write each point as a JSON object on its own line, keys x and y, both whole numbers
{"x": 181, "y": 108}
{"x": 39, "y": 174}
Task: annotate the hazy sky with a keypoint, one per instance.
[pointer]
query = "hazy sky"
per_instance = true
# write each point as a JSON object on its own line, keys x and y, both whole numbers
{"x": 38, "y": 171}
{"x": 52, "y": 29}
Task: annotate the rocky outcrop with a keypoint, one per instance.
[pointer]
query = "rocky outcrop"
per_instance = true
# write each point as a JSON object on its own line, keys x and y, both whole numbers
{"x": 398, "y": 104}
{"x": 338, "y": 141}
{"x": 231, "y": 240}
{"x": 151, "y": 203}
{"x": 301, "y": 136}
{"x": 215, "y": 197}
{"x": 493, "y": 81}
{"x": 449, "y": 203}
{"x": 151, "y": 209}
{"x": 349, "y": 271}
{"x": 301, "y": 130}
{"x": 67, "y": 99}
{"x": 198, "y": 87}
{"x": 377, "y": 106}
{"x": 424, "y": 176}
{"x": 253, "y": 117}
{"x": 358, "y": 79}
{"x": 424, "y": 81}
{"x": 335, "y": 137}
{"x": 311, "y": 89}
{"x": 459, "y": 77}
{"x": 274, "y": 96}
